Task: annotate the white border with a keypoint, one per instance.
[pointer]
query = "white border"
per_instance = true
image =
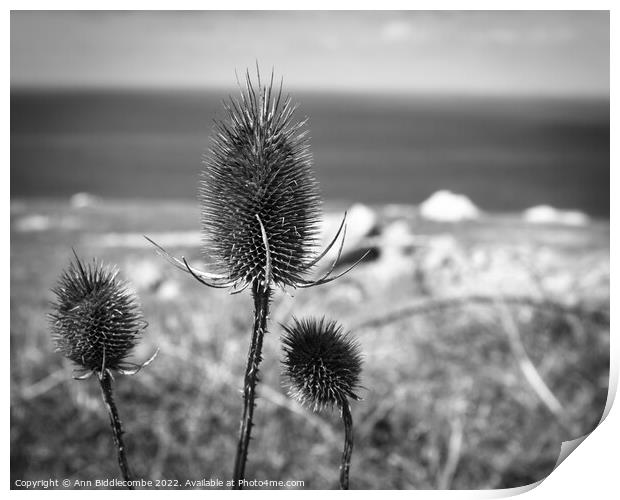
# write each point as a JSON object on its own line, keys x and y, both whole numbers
{"x": 591, "y": 470}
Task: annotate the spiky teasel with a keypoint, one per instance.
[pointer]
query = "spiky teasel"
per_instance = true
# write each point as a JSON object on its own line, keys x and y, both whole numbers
{"x": 322, "y": 365}
{"x": 258, "y": 180}
{"x": 96, "y": 322}
{"x": 260, "y": 213}
{"x": 260, "y": 202}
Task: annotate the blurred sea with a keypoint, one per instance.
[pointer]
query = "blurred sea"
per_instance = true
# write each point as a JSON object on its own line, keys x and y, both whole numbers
{"x": 505, "y": 154}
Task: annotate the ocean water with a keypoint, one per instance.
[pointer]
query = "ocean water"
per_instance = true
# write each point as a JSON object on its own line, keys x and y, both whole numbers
{"x": 505, "y": 154}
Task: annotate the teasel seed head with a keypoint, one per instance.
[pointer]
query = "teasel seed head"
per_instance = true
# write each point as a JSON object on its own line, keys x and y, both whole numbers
{"x": 260, "y": 201}
{"x": 95, "y": 320}
{"x": 321, "y": 362}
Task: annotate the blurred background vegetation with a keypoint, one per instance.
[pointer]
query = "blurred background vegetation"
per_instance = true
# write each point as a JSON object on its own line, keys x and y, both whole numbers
{"x": 486, "y": 346}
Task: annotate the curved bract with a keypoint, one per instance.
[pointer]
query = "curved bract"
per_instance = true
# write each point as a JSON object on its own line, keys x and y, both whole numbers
{"x": 260, "y": 201}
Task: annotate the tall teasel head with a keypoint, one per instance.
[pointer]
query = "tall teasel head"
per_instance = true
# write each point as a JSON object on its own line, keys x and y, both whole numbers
{"x": 95, "y": 320}
{"x": 260, "y": 200}
{"x": 322, "y": 364}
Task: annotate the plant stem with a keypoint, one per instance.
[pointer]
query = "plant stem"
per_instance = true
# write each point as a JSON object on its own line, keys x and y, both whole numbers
{"x": 348, "y": 445}
{"x": 261, "y": 310}
{"x": 117, "y": 429}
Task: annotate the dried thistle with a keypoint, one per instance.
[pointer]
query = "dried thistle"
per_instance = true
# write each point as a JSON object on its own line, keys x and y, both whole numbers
{"x": 322, "y": 365}
{"x": 260, "y": 202}
{"x": 258, "y": 180}
{"x": 96, "y": 321}
{"x": 260, "y": 213}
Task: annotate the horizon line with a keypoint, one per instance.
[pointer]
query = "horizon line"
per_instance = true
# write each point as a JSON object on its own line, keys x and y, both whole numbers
{"x": 356, "y": 91}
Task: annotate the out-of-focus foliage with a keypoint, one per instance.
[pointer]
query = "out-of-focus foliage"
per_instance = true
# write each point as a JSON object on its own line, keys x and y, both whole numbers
{"x": 446, "y": 403}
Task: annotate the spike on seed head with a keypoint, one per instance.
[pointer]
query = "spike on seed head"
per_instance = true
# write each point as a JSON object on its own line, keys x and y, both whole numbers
{"x": 259, "y": 173}
{"x": 95, "y": 320}
{"x": 322, "y": 364}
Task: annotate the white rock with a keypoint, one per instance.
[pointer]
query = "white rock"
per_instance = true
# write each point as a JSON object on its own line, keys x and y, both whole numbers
{"x": 83, "y": 200}
{"x": 36, "y": 222}
{"x": 361, "y": 220}
{"x": 545, "y": 214}
{"x": 445, "y": 206}
{"x": 32, "y": 223}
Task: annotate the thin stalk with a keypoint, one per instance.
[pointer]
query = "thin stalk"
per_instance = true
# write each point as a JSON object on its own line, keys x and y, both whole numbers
{"x": 262, "y": 297}
{"x": 117, "y": 429}
{"x": 345, "y": 463}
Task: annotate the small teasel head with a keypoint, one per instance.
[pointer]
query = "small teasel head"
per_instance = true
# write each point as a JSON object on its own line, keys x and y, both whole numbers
{"x": 95, "y": 320}
{"x": 321, "y": 363}
{"x": 260, "y": 202}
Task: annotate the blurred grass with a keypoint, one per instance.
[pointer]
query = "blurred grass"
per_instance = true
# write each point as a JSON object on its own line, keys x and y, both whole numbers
{"x": 445, "y": 406}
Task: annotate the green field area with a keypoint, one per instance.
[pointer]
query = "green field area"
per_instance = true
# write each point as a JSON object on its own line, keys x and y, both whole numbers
{"x": 486, "y": 345}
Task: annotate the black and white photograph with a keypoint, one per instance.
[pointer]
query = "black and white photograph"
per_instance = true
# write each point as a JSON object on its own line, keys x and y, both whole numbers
{"x": 307, "y": 249}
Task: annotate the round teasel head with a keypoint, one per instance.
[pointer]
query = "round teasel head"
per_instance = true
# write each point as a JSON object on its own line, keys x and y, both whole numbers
{"x": 96, "y": 321}
{"x": 321, "y": 362}
{"x": 260, "y": 201}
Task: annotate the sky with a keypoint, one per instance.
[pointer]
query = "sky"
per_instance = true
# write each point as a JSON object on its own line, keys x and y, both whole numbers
{"x": 456, "y": 52}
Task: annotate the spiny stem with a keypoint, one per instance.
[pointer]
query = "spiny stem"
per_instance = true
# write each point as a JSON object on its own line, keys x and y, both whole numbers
{"x": 117, "y": 429}
{"x": 348, "y": 445}
{"x": 261, "y": 296}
